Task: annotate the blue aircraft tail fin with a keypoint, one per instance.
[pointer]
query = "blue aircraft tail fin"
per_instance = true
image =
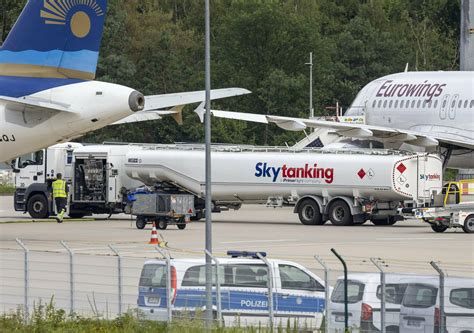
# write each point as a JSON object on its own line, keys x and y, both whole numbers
{"x": 55, "y": 39}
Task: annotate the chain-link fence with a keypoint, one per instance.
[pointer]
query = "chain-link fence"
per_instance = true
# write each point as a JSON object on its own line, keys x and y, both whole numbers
{"x": 309, "y": 292}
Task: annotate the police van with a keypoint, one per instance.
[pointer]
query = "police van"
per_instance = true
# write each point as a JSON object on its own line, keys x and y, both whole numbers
{"x": 298, "y": 294}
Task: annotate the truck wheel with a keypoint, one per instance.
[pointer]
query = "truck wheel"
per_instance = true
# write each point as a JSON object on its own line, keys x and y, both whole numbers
{"x": 340, "y": 213}
{"x": 181, "y": 226}
{"x": 468, "y": 226}
{"x": 439, "y": 228}
{"x": 140, "y": 222}
{"x": 38, "y": 207}
{"x": 162, "y": 224}
{"x": 309, "y": 214}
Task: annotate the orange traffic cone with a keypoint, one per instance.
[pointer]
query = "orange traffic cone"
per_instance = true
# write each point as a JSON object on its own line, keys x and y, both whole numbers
{"x": 154, "y": 236}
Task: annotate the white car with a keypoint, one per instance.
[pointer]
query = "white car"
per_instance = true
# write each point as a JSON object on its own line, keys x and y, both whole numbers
{"x": 364, "y": 302}
{"x": 420, "y": 311}
{"x": 298, "y": 294}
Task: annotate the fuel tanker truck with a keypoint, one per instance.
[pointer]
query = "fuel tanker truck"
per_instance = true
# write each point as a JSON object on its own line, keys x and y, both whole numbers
{"x": 343, "y": 186}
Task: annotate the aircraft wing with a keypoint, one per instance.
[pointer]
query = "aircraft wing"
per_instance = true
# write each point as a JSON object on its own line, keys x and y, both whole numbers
{"x": 144, "y": 116}
{"x": 163, "y": 101}
{"x": 352, "y": 130}
{"x": 177, "y": 101}
{"x": 32, "y": 104}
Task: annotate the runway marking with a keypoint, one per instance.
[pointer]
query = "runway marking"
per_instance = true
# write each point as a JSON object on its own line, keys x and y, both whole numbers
{"x": 261, "y": 240}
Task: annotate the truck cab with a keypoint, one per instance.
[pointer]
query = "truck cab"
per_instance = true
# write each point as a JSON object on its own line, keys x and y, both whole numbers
{"x": 34, "y": 174}
{"x": 94, "y": 174}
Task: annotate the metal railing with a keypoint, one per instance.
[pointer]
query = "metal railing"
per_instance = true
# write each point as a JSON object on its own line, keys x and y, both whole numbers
{"x": 105, "y": 282}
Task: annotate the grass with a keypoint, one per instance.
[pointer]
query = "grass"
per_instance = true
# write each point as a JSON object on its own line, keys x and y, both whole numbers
{"x": 6, "y": 189}
{"x": 47, "y": 319}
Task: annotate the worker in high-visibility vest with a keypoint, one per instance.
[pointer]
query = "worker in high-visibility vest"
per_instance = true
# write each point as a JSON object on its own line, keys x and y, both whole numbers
{"x": 60, "y": 197}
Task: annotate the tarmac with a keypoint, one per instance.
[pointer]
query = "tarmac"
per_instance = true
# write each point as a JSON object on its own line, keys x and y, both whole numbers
{"x": 408, "y": 246}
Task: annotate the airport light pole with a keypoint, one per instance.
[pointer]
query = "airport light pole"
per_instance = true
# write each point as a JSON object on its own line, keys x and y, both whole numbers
{"x": 310, "y": 63}
{"x": 208, "y": 169}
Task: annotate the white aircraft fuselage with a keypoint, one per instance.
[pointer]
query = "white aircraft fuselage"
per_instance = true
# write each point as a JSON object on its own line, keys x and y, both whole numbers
{"x": 90, "y": 104}
{"x": 435, "y": 103}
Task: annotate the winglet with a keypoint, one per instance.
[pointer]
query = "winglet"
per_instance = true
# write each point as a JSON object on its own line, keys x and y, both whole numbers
{"x": 200, "y": 111}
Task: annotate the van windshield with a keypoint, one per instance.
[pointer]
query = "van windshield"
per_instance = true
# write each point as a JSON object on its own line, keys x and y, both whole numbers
{"x": 393, "y": 292}
{"x": 153, "y": 275}
{"x": 463, "y": 297}
{"x": 420, "y": 296}
{"x": 355, "y": 292}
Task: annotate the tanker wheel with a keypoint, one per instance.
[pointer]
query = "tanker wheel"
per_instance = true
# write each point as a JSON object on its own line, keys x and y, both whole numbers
{"x": 140, "y": 222}
{"x": 439, "y": 227}
{"x": 340, "y": 213}
{"x": 309, "y": 214}
{"x": 468, "y": 226}
{"x": 389, "y": 220}
{"x": 38, "y": 207}
{"x": 162, "y": 224}
{"x": 199, "y": 215}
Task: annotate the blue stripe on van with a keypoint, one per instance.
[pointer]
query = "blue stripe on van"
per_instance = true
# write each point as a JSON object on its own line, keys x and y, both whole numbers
{"x": 234, "y": 300}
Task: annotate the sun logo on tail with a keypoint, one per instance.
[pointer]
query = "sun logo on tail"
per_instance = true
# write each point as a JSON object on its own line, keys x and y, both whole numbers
{"x": 58, "y": 12}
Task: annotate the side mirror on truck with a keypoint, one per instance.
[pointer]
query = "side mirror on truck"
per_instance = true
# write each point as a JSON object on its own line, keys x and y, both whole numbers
{"x": 13, "y": 166}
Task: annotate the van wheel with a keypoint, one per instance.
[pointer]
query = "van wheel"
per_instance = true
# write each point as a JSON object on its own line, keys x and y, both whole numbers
{"x": 439, "y": 227}
{"x": 140, "y": 222}
{"x": 162, "y": 224}
{"x": 38, "y": 207}
{"x": 340, "y": 213}
{"x": 309, "y": 214}
{"x": 468, "y": 226}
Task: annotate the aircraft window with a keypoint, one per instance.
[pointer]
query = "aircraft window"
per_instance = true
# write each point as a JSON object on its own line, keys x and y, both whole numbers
{"x": 373, "y": 104}
{"x": 429, "y": 104}
{"x": 444, "y": 104}
{"x": 396, "y": 103}
{"x": 380, "y": 103}
{"x": 436, "y": 104}
{"x": 424, "y": 104}
{"x": 459, "y": 103}
{"x": 413, "y": 104}
{"x": 472, "y": 103}
{"x": 401, "y": 103}
{"x": 390, "y": 104}
{"x": 384, "y": 104}
{"x": 453, "y": 103}
{"x": 419, "y": 104}
{"x": 465, "y": 103}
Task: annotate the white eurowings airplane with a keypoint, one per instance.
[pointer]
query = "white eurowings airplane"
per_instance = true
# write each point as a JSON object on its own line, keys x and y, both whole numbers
{"x": 47, "y": 89}
{"x": 417, "y": 110}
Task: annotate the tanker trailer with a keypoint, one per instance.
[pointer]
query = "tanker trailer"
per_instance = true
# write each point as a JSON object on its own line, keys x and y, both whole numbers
{"x": 343, "y": 186}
